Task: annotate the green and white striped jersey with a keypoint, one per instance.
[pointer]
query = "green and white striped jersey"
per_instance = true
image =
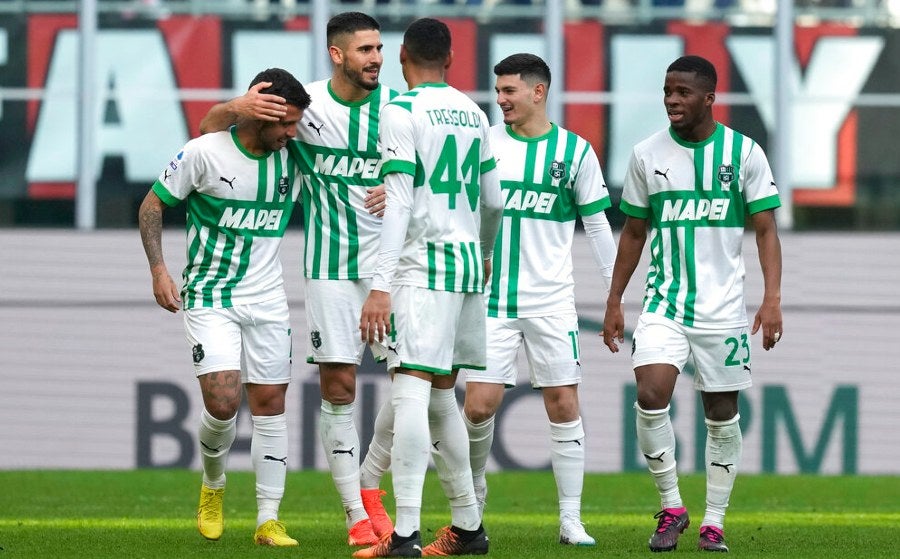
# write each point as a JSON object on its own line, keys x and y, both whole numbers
{"x": 439, "y": 136}
{"x": 547, "y": 182}
{"x": 696, "y": 197}
{"x": 238, "y": 207}
{"x": 338, "y": 144}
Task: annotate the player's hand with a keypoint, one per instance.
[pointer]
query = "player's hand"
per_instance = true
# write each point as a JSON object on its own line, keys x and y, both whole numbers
{"x": 488, "y": 269}
{"x": 375, "y": 319}
{"x": 376, "y": 200}
{"x": 259, "y": 106}
{"x": 165, "y": 291}
{"x": 768, "y": 317}
{"x": 613, "y": 326}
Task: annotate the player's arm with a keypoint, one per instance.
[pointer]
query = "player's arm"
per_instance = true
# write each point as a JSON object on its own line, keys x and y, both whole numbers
{"x": 635, "y": 204}
{"x": 375, "y": 319}
{"x": 592, "y": 198}
{"x": 603, "y": 245}
{"x": 150, "y": 221}
{"x": 253, "y": 104}
{"x": 631, "y": 245}
{"x": 491, "y": 201}
{"x": 767, "y": 242}
{"x": 398, "y": 170}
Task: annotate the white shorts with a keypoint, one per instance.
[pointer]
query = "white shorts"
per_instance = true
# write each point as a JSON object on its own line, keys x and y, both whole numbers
{"x": 721, "y": 357}
{"x": 254, "y": 339}
{"x": 435, "y": 331}
{"x": 333, "y": 308}
{"x": 551, "y": 348}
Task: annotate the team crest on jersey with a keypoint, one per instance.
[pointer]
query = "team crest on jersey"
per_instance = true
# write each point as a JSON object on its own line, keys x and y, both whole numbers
{"x": 726, "y": 175}
{"x": 316, "y": 338}
{"x": 558, "y": 170}
{"x": 283, "y": 185}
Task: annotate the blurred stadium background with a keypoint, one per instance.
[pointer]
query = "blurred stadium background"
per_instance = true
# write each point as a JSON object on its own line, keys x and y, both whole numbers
{"x": 98, "y": 96}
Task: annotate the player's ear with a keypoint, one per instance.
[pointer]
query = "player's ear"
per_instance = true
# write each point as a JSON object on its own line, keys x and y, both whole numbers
{"x": 449, "y": 60}
{"x": 336, "y": 54}
{"x": 539, "y": 92}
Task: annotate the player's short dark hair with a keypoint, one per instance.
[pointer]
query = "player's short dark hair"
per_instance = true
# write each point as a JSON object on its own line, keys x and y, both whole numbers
{"x": 529, "y": 67}
{"x": 349, "y": 22}
{"x": 698, "y": 65}
{"x": 285, "y": 85}
{"x": 427, "y": 41}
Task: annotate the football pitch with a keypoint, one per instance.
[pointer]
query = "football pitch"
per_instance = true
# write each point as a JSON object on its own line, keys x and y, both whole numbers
{"x": 150, "y": 513}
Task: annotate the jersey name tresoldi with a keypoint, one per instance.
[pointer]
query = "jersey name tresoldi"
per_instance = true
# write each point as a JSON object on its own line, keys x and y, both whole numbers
{"x": 238, "y": 207}
{"x": 338, "y": 148}
{"x": 696, "y": 197}
{"x": 547, "y": 182}
{"x": 450, "y": 138}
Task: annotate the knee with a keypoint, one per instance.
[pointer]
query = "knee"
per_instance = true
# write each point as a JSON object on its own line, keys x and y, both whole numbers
{"x": 479, "y": 411}
{"x": 222, "y": 411}
{"x": 721, "y": 411}
{"x": 338, "y": 396}
{"x": 651, "y": 397}
{"x": 266, "y": 399}
{"x": 338, "y": 384}
{"x": 561, "y": 404}
{"x": 720, "y": 406}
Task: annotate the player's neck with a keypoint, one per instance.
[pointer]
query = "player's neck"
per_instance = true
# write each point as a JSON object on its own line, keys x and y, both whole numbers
{"x": 346, "y": 90}
{"x": 416, "y": 76}
{"x": 700, "y": 132}
{"x": 533, "y": 128}
{"x": 249, "y": 138}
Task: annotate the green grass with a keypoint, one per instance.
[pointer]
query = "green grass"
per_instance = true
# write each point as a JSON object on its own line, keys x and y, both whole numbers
{"x": 150, "y": 513}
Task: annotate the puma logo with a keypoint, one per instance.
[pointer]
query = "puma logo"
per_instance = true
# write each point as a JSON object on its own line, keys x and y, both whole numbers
{"x": 726, "y": 467}
{"x": 435, "y": 444}
{"x": 576, "y": 441}
{"x": 229, "y": 182}
{"x": 209, "y": 448}
{"x": 341, "y": 451}
{"x": 274, "y": 459}
{"x": 657, "y": 458}
{"x": 393, "y": 150}
{"x": 166, "y": 174}
{"x": 318, "y": 128}
{"x": 660, "y": 173}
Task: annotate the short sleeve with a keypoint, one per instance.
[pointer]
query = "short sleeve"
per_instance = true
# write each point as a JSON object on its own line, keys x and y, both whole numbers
{"x": 591, "y": 194}
{"x": 760, "y": 191}
{"x": 635, "y": 195}
{"x": 398, "y": 140}
{"x": 181, "y": 175}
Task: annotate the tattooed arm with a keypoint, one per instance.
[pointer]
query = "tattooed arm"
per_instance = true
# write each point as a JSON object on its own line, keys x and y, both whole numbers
{"x": 150, "y": 220}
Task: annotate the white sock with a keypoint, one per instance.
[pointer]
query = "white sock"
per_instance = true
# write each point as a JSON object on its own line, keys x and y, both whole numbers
{"x": 567, "y": 459}
{"x": 409, "y": 454}
{"x": 724, "y": 445}
{"x": 481, "y": 438}
{"x": 216, "y": 437}
{"x": 378, "y": 458}
{"x": 450, "y": 451}
{"x": 341, "y": 443}
{"x": 656, "y": 438}
{"x": 268, "y": 453}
